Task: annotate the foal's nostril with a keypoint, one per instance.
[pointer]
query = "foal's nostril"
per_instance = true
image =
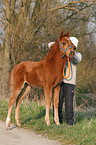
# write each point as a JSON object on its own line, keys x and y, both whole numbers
{"x": 72, "y": 53}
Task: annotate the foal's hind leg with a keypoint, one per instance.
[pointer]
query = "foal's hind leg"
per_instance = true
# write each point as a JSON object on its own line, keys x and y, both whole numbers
{"x": 20, "y": 97}
{"x": 56, "y": 102}
{"x": 11, "y": 102}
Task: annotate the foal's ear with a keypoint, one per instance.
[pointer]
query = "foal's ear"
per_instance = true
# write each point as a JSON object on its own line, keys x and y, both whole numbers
{"x": 67, "y": 34}
{"x": 61, "y": 35}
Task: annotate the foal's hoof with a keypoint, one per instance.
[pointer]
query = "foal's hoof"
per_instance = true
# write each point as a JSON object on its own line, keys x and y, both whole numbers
{"x": 58, "y": 124}
{"x": 7, "y": 128}
{"x": 8, "y": 123}
{"x": 48, "y": 123}
{"x": 19, "y": 125}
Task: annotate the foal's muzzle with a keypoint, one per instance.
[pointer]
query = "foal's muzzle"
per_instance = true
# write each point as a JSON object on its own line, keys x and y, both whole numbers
{"x": 71, "y": 54}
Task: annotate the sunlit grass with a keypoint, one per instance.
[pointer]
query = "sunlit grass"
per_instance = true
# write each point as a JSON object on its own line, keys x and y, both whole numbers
{"x": 32, "y": 116}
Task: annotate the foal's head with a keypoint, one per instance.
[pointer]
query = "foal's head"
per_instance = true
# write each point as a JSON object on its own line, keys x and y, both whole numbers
{"x": 65, "y": 44}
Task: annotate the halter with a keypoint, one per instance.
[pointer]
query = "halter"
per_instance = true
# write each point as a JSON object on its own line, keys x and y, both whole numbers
{"x": 63, "y": 48}
{"x": 66, "y": 59}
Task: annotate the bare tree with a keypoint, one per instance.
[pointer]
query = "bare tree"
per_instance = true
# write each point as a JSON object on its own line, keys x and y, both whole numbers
{"x": 31, "y": 24}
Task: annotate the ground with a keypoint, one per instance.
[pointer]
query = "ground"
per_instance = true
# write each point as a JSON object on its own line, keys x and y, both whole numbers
{"x": 20, "y": 136}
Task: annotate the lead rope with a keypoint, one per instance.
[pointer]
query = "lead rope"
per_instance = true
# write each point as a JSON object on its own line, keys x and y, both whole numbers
{"x": 67, "y": 59}
{"x": 68, "y": 68}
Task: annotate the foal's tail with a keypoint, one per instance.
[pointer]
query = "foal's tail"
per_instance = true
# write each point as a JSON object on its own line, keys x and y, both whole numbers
{"x": 11, "y": 79}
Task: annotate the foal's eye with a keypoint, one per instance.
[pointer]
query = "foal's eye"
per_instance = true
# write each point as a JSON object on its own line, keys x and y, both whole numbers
{"x": 64, "y": 43}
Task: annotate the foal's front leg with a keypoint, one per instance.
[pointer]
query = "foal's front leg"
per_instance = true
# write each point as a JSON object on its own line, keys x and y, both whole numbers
{"x": 56, "y": 102}
{"x": 48, "y": 93}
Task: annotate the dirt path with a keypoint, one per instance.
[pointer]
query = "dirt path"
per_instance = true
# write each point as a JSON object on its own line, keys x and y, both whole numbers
{"x": 19, "y": 136}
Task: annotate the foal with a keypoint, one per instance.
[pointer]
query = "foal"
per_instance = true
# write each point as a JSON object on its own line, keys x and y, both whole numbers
{"x": 46, "y": 73}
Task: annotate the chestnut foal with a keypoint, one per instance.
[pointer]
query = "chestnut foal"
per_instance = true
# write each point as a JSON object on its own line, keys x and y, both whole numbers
{"x": 46, "y": 73}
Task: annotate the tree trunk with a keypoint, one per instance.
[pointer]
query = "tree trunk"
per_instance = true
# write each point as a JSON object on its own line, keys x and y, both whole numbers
{"x": 5, "y": 59}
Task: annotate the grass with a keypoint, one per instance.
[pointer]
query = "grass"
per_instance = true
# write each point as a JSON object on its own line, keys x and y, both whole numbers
{"x": 32, "y": 116}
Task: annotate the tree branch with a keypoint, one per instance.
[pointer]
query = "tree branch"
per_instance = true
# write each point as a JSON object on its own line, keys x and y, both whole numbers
{"x": 65, "y": 6}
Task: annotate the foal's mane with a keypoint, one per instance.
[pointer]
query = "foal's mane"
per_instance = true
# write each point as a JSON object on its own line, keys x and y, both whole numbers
{"x": 51, "y": 50}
